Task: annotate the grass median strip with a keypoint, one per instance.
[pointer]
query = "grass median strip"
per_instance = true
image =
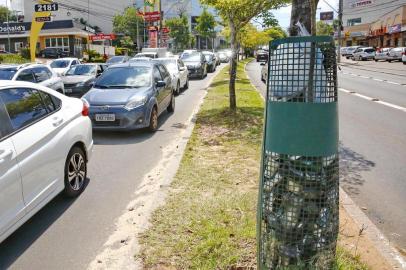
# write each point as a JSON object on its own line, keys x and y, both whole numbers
{"x": 209, "y": 219}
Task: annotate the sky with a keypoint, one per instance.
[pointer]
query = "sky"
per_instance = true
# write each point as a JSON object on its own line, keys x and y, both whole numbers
{"x": 283, "y": 14}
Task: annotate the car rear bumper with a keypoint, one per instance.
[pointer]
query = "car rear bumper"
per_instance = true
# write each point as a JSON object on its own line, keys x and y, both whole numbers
{"x": 124, "y": 120}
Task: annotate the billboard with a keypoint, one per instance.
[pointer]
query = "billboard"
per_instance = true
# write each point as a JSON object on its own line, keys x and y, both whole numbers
{"x": 361, "y": 3}
{"x": 327, "y": 16}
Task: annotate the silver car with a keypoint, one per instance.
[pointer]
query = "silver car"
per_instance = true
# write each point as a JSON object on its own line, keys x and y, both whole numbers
{"x": 178, "y": 71}
{"x": 363, "y": 54}
{"x": 34, "y": 73}
{"x": 382, "y": 54}
{"x": 395, "y": 54}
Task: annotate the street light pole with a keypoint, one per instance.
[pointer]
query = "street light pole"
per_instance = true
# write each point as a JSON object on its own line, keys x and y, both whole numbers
{"x": 340, "y": 25}
{"x": 8, "y": 28}
{"x": 160, "y": 24}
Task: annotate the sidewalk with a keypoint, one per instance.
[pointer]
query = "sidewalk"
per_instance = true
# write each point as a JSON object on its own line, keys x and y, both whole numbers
{"x": 209, "y": 219}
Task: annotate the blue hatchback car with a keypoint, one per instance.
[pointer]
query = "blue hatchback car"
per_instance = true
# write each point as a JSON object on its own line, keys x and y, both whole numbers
{"x": 130, "y": 96}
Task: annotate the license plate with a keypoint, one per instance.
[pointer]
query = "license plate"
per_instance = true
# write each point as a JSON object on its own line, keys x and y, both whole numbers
{"x": 106, "y": 117}
{"x": 68, "y": 90}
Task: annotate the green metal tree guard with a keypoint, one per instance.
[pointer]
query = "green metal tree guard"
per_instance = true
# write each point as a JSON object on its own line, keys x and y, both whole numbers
{"x": 298, "y": 197}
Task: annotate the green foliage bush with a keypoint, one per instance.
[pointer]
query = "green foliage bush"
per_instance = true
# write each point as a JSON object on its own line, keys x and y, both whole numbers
{"x": 12, "y": 59}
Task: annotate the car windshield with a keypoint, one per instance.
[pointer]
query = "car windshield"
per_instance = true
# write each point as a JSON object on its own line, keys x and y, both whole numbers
{"x": 7, "y": 73}
{"x": 60, "y": 64}
{"x": 125, "y": 77}
{"x": 115, "y": 59}
{"x": 81, "y": 70}
{"x": 191, "y": 58}
{"x": 170, "y": 65}
{"x": 208, "y": 57}
{"x": 149, "y": 55}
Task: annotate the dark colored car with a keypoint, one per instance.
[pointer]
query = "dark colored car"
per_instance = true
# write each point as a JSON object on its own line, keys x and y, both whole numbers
{"x": 196, "y": 64}
{"x": 80, "y": 78}
{"x": 262, "y": 56}
{"x": 53, "y": 53}
{"x": 117, "y": 60}
{"x": 130, "y": 96}
{"x": 211, "y": 61}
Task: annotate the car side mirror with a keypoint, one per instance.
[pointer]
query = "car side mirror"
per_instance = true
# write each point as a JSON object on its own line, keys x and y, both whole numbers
{"x": 182, "y": 68}
{"x": 160, "y": 84}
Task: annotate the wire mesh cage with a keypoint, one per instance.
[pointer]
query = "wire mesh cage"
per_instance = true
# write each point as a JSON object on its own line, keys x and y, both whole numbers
{"x": 298, "y": 199}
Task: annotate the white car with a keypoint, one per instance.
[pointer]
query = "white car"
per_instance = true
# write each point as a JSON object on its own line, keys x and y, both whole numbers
{"x": 62, "y": 65}
{"x": 364, "y": 54}
{"x": 35, "y": 73}
{"x": 382, "y": 54}
{"x": 45, "y": 144}
{"x": 178, "y": 71}
{"x": 396, "y": 54}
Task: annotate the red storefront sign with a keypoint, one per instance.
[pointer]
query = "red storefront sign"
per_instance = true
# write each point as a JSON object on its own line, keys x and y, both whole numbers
{"x": 102, "y": 37}
{"x": 153, "y": 39}
{"x": 165, "y": 30}
{"x": 153, "y": 16}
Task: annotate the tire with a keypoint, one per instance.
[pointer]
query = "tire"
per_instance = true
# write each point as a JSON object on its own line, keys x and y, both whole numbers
{"x": 404, "y": 63}
{"x": 390, "y": 61}
{"x": 171, "y": 106}
{"x": 376, "y": 60}
{"x": 177, "y": 90}
{"x": 153, "y": 120}
{"x": 75, "y": 172}
{"x": 186, "y": 86}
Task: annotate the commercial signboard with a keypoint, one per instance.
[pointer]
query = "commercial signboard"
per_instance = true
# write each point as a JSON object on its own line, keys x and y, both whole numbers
{"x": 16, "y": 28}
{"x": 153, "y": 16}
{"x": 153, "y": 39}
{"x": 327, "y": 16}
{"x": 395, "y": 28}
{"x": 43, "y": 19}
{"x": 100, "y": 37}
{"x": 361, "y": 3}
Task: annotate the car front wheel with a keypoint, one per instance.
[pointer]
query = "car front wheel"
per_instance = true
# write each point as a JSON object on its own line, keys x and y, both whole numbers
{"x": 171, "y": 106}
{"x": 75, "y": 172}
{"x": 153, "y": 120}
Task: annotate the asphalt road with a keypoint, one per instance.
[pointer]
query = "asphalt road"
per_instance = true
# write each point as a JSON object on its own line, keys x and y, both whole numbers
{"x": 68, "y": 234}
{"x": 372, "y": 141}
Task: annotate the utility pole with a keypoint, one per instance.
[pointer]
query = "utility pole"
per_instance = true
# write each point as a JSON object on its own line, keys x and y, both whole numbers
{"x": 160, "y": 23}
{"x": 8, "y": 28}
{"x": 340, "y": 26}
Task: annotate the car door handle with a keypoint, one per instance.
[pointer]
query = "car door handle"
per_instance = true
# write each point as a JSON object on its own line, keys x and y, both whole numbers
{"x": 57, "y": 121}
{"x": 4, "y": 155}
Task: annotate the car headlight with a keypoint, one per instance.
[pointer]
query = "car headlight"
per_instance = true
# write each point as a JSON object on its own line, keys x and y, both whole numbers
{"x": 136, "y": 102}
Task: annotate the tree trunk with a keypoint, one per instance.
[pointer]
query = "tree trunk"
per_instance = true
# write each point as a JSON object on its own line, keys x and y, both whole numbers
{"x": 300, "y": 13}
{"x": 233, "y": 66}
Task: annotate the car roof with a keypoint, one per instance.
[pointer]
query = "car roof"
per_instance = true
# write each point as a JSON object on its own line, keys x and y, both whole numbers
{"x": 66, "y": 58}
{"x": 136, "y": 63}
{"x": 21, "y": 66}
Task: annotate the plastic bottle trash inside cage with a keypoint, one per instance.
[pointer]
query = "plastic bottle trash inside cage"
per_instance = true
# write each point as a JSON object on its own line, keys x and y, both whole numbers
{"x": 298, "y": 198}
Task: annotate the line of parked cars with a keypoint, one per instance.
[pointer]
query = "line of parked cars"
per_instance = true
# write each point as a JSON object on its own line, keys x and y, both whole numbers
{"x": 46, "y": 136}
{"x": 369, "y": 53}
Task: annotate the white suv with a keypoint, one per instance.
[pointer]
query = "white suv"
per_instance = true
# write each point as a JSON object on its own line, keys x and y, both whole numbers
{"x": 62, "y": 65}
{"x": 35, "y": 73}
{"x": 45, "y": 144}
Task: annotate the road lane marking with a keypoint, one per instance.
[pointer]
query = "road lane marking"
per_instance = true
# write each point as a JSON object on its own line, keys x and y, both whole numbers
{"x": 371, "y": 78}
{"x": 375, "y": 100}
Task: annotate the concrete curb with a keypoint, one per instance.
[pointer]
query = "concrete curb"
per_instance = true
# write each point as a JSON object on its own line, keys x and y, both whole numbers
{"x": 380, "y": 242}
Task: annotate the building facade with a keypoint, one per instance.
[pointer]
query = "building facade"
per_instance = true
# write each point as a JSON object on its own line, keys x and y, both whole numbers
{"x": 98, "y": 13}
{"x": 378, "y": 23}
{"x": 65, "y": 34}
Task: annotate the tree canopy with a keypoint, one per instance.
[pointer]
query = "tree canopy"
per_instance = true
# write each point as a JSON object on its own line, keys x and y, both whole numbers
{"x": 3, "y": 15}
{"x": 324, "y": 28}
{"x": 237, "y": 14}
{"x": 206, "y": 24}
{"x": 180, "y": 33}
{"x": 126, "y": 23}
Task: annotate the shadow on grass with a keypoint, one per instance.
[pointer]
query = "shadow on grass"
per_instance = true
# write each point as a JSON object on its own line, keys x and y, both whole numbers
{"x": 352, "y": 165}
